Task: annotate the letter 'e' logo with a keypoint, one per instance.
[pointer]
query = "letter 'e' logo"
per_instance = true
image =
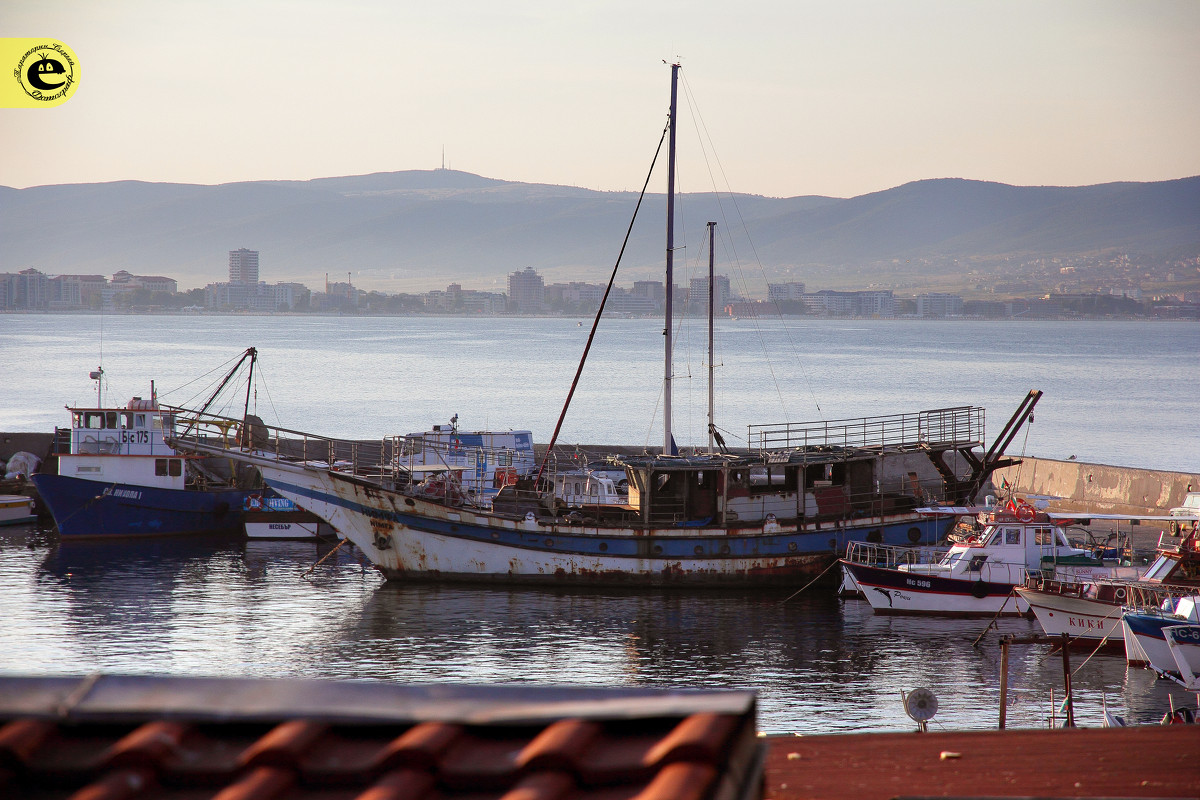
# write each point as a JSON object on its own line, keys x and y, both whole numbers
{"x": 37, "y": 73}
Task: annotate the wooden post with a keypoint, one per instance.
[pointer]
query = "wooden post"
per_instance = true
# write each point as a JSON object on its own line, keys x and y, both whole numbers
{"x": 1003, "y": 680}
{"x": 1070, "y": 717}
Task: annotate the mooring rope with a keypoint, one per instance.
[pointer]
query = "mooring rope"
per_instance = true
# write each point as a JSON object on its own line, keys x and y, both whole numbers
{"x": 814, "y": 580}
{"x": 323, "y": 558}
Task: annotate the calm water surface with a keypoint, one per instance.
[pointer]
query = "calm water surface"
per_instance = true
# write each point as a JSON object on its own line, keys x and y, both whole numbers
{"x": 818, "y": 664}
{"x": 1115, "y": 392}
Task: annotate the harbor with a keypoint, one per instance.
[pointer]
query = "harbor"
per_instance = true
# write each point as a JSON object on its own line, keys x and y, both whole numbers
{"x": 819, "y": 666}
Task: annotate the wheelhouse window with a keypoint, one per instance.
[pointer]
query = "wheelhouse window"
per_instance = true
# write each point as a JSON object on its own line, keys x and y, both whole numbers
{"x": 164, "y": 467}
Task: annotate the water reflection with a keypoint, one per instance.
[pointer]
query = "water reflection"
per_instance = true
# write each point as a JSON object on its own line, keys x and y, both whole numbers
{"x": 819, "y": 664}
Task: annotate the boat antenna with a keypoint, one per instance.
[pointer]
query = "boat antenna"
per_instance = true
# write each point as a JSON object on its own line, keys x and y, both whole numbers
{"x": 603, "y": 300}
{"x": 668, "y": 440}
{"x": 98, "y": 376}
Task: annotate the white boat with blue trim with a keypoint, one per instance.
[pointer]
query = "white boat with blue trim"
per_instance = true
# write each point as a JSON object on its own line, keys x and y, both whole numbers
{"x": 778, "y": 511}
{"x": 978, "y": 577}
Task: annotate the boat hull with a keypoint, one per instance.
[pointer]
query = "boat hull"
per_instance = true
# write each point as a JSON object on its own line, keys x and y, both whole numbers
{"x": 84, "y": 508}
{"x": 286, "y": 525}
{"x": 1184, "y": 643}
{"x": 406, "y": 537}
{"x": 893, "y": 591}
{"x": 1146, "y": 641}
{"x": 1079, "y": 617}
{"x": 16, "y": 509}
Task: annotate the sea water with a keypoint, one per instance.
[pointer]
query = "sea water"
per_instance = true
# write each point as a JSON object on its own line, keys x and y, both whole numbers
{"x": 1120, "y": 393}
{"x": 819, "y": 664}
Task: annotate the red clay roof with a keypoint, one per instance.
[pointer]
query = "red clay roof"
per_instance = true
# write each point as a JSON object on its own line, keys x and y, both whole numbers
{"x": 150, "y": 737}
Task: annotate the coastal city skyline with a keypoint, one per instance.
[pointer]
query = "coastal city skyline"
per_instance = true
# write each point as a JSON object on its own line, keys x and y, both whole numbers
{"x": 529, "y": 293}
{"x": 797, "y": 98}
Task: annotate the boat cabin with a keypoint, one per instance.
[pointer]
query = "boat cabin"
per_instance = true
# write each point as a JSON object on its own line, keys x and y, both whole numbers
{"x": 732, "y": 490}
{"x": 483, "y": 462}
{"x": 1010, "y": 546}
{"x": 136, "y": 430}
{"x": 123, "y": 445}
{"x": 581, "y": 488}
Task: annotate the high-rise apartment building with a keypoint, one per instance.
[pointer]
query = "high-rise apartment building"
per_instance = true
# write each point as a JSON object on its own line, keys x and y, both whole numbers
{"x": 526, "y": 290}
{"x": 243, "y": 266}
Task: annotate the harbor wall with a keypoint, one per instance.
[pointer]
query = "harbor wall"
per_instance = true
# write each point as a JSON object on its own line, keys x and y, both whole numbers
{"x": 1075, "y": 485}
{"x": 1098, "y": 488}
{"x": 36, "y": 443}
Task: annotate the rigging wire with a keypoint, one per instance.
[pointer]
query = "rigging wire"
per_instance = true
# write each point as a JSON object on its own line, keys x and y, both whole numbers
{"x": 702, "y": 128}
{"x": 600, "y": 311}
{"x": 221, "y": 368}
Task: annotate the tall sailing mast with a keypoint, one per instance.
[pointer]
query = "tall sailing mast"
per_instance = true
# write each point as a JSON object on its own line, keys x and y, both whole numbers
{"x": 668, "y": 439}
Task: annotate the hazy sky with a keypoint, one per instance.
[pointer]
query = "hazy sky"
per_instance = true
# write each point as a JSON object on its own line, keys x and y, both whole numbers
{"x": 839, "y": 97}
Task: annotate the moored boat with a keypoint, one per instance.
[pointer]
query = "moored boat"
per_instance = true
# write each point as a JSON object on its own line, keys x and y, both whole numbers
{"x": 1090, "y": 610}
{"x": 16, "y": 509}
{"x": 117, "y": 475}
{"x": 279, "y": 518}
{"x": 779, "y": 511}
{"x": 977, "y": 577}
{"x": 1145, "y": 631}
{"x": 1184, "y": 643}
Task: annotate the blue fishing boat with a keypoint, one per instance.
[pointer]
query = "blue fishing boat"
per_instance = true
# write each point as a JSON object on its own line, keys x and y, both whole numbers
{"x": 117, "y": 476}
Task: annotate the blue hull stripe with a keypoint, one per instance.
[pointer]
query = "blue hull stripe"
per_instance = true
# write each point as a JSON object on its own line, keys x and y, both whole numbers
{"x": 1150, "y": 626}
{"x": 663, "y": 543}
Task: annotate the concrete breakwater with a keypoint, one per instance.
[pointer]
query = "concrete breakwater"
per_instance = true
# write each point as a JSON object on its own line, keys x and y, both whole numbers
{"x": 1075, "y": 485}
{"x": 1098, "y": 488}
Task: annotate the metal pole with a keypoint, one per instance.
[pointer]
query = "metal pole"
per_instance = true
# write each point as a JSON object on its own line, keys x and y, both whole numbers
{"x": 711, "y": 294}
{"x": 668, "y": 440}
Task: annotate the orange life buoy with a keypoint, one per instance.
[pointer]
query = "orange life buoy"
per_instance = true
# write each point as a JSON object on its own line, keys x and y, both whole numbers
{"x": 1025, "y": 513}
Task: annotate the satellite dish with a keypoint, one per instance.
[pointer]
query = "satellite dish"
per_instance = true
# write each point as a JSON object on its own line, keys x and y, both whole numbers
{"x": 921, "y": 705}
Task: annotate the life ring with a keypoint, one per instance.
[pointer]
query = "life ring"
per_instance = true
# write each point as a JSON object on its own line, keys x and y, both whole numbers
{"x": 1119, "y": 594}
{"x": 254, "y": 502}
{"x": 1025, "y": 513}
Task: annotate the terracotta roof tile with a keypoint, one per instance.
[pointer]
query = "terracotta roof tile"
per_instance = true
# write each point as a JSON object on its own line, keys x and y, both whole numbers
{"x": 420, "y": 746}
{"x": 285, "y": 745}
{"x": 152, "y": 738}
{"x": 147, "y": 745}
{"x": 700, "y": 737}
{"x": 560, "y": 746}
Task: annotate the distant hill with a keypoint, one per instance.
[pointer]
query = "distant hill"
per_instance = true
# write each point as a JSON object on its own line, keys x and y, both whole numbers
{"x": 423, "y": 229}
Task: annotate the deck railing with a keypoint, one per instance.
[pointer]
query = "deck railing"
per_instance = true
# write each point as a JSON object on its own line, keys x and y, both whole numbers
{"x": 940, "y": 428}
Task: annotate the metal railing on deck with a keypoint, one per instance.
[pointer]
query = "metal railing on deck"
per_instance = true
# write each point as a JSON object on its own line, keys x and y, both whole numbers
{"x": 892, "y": 556}
{"x": 209, "y": 431}
{"x": 961, "y": 426}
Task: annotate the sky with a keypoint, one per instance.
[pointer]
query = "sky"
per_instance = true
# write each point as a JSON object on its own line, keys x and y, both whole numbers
{"x": 836, "y": 98}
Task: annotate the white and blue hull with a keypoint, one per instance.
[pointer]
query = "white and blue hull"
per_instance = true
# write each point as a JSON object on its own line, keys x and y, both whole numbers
{"x": 416, "y": 539}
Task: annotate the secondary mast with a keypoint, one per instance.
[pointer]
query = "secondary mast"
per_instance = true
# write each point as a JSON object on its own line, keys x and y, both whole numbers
{"x": 711, "y": 294}
{"x": 668, "y": 439}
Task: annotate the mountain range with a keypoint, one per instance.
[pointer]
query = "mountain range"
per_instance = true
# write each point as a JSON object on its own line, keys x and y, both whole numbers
{"x": 417, "y": 230}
